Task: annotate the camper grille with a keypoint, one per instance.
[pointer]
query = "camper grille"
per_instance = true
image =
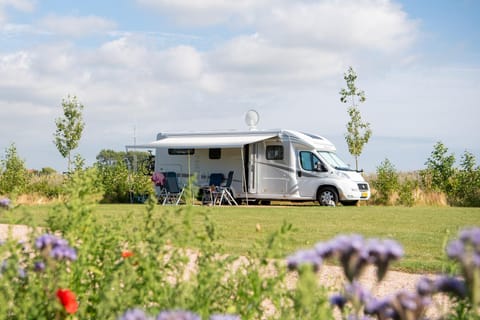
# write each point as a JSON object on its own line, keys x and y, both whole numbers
{"x": 363, "y": 186}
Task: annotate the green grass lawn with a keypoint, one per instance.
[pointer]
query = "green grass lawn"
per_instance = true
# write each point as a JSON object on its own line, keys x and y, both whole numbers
{"x": 422, "y": 231}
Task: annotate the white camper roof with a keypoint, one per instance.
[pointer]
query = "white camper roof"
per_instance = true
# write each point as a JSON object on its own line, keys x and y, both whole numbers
{"x": 231, "y": 139}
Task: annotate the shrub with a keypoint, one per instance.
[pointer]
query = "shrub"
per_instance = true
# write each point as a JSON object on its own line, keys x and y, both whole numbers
{"x": 13, "y": 173}
{"x": 406, "y": 192}
{"x": 386, "y": 182}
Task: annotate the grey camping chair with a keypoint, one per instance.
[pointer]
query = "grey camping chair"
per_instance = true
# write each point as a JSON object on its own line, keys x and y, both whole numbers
{"x": 174, "y": 193}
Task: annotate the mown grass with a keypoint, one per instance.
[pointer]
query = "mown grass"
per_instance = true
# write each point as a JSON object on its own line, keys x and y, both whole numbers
{"x": 422, "y": 231}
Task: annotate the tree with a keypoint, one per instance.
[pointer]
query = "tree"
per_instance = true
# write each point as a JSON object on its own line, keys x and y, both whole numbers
{"x": 358, "y": 131}
{"x": 13, "y": 173}
{"x": 386, "y": 182}
{"x": 69, "y": 128}
{"x": 466, "y": 189}
{"x": 437, "y": 176}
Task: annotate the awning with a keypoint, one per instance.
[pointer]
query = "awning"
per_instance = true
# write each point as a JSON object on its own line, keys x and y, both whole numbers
{"x": 205, "y": 141}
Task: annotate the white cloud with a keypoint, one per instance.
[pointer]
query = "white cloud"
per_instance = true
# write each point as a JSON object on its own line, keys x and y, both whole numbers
{"x": 207, "y": 12}
{"x": 375, "y": 25}
{"x": 76, "y": 26}
{"x": 21, "y": 5}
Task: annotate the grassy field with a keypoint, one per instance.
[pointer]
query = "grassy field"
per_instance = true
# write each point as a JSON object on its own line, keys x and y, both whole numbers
{"x": 422, "y": 231}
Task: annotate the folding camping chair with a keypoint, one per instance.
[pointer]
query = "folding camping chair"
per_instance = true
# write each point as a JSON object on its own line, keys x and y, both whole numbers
{"x": 173, "y": 192}
{"x": 208, "y": 192}
{"x": 223, "y": 194}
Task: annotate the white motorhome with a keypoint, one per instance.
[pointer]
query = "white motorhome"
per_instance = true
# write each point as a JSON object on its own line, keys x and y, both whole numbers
{"x": 267, "y": 164}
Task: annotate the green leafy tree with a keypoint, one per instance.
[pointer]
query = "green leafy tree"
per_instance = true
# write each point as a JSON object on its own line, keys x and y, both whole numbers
{"x": 13, "y": 173}
{"x": 467, "y": 182}
{"x": 386, "y": 182}
{"x": 439, "y": 172}
{"x": 69, "y": 128}
{"x": 358, "y": 131}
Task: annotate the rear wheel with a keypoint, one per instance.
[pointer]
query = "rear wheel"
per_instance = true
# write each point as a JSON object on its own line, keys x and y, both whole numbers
{"x": 327, "y": 196}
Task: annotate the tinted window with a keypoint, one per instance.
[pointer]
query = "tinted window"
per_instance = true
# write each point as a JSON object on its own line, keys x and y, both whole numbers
{"x": 215, "y": 153}
{"x": 274, "y": 153}
{"x": 181, "y": 151}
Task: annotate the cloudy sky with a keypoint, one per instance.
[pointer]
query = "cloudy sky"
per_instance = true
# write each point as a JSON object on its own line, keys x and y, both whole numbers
{"x": 146, "y": 66}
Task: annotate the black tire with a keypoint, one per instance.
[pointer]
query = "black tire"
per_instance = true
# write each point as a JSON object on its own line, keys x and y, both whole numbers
{"x": 265, "y": 202}
{"x": 349, "y": 203}
{"x": 327, "y": 194}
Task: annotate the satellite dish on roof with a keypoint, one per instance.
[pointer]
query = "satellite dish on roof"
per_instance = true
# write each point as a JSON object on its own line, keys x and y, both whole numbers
{"x": 251, "y": 119}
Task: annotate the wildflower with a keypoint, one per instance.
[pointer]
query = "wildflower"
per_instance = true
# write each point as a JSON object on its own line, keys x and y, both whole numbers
{"x": 177, "y": 315}
{"x": 302, "y": 257}
{"x": 134, "y": 314}
{"x": 380, "y": 307}
{"x": 127, "y": 254}
{"x": 425, "y": 286}
{"x": 451, "y": 285}
{"x": 39, "y": 266}
{"x": 5, "y": 203}
{"x": 381, "y": 253}
{"x": 57, "y": 248}
{"x": 68, "y": 300}
{"x": 338, "y": 300}
{"x": 408, "y": 305}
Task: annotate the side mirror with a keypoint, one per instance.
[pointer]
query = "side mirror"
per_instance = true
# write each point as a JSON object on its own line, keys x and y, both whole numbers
{"x": 321, "y": 167}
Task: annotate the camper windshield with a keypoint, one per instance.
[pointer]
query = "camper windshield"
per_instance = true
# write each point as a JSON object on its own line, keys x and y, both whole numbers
{"x": 333, "y": 160}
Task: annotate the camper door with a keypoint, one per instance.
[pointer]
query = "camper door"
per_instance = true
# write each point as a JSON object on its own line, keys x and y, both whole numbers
{"x": 250, "y": 165}
{"x": 310, "y": 169}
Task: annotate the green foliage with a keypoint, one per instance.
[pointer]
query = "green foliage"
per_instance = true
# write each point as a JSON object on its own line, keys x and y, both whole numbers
{"x": 120, "y": 181}
{"x": 386, "y": 182}
{"x": 358, "y": 132}
{"x": 466, "y": 189}
{"x": 13, "y": 173}
{"x": 406, "y": 192}
{"x": 69, "y": 128}
{"x": 437, "y": 176}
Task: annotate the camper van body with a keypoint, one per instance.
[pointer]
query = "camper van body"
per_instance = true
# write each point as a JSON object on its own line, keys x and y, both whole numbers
{"x": 267, "y": 165}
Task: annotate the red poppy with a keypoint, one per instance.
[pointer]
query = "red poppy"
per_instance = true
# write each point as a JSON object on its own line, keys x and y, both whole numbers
{"x": 68, "y": 300}
{"x": 127, "y": 254}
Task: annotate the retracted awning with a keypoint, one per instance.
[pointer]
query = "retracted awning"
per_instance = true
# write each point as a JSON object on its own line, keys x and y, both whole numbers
{"x": 206, "y": 141}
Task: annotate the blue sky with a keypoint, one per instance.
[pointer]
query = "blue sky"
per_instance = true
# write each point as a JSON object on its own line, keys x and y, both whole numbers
{"x": 145, "y": 66}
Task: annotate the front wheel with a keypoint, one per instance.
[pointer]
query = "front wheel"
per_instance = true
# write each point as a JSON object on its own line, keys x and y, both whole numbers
{"x": 327, "y": 196}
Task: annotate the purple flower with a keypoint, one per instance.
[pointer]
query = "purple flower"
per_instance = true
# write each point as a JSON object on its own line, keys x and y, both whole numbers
{"x": 225, "y": 317}
{"x": 304, "y": 257}
{"x": 39, "y": 266}
{"x": 5, "y": 203}
{"x": 57, "y": 248}
{"x": 177, "y": 315}
{"x": 134, "y": 314}
{"x": 425, "y": 286}
{"x": 455, "y": 249}
{"x": 355, "y": 292}
{"x": 381, "y": 253}
{"x": 379, "y": 307}
{"x": 470, "y": 235}
{"x": 451, "y": 285}
{"x": 338, "y": 300}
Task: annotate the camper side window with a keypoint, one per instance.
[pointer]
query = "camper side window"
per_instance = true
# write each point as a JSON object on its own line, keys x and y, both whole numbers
{"x": 181, "y": 151}
{"x": 215, "y": 153}
{"x": 309, "y": 161}
{"x": 274, "y": 153}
